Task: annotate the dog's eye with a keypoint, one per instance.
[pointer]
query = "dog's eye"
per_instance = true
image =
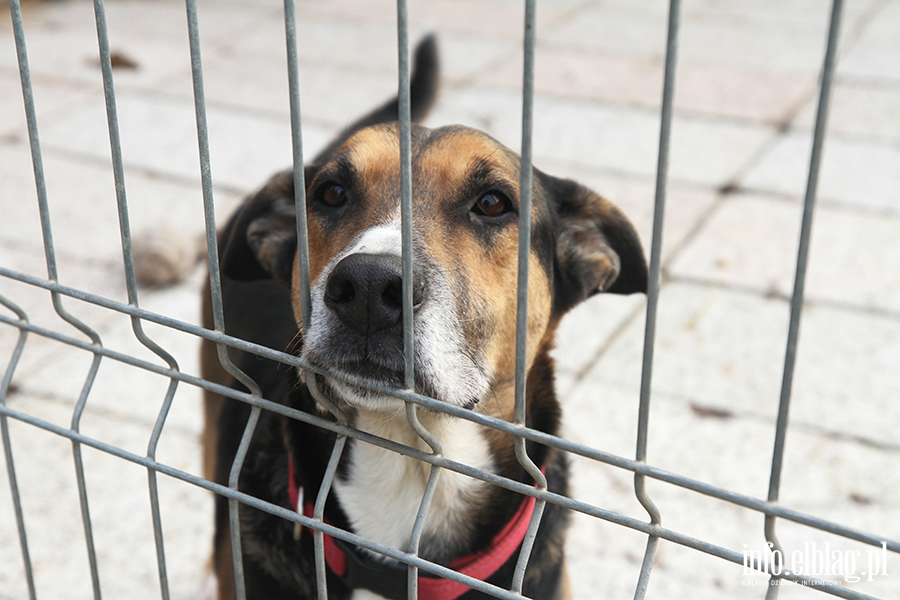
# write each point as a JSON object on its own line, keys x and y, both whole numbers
{"x": 334, "y": 195}
{"x": 492, "y": 204}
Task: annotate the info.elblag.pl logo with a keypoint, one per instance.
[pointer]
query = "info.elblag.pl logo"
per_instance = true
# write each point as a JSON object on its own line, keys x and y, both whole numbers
{"x": 819, "y": 561}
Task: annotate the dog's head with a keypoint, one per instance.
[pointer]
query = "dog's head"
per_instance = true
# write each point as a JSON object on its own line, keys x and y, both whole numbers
{"x": 465, "y": 196}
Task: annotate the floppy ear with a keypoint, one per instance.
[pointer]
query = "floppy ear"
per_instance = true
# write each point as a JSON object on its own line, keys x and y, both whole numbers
{"x": 597, "y": 248}
{"x": 260, "y": 240}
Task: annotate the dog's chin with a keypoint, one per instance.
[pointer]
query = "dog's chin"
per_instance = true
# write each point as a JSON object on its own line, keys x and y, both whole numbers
{"x": 360, "y": 396}
{"x": 363, "y": 398}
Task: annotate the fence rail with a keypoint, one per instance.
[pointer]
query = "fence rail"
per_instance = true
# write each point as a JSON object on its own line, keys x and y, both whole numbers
{"x": 168, "y": 368}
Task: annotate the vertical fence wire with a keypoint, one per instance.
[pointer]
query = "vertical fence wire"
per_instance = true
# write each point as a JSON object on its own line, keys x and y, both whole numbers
{"x": 406, "y": 242}
{"x": 52, "y": 274}
{"x": 524, "y": 253}
{"x": 796, "y": 307}
{"x": 303, "y": 285}
{"x": 405, "y": 126}
{"x": 653, "y": 289}
{"x": 7, "y": 447}
{"x": 293, "y": 64}
{"x": 131, "y": 285}
{"x": 216, "y": 293}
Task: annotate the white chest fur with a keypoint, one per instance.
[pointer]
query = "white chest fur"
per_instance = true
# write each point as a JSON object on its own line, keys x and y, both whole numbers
{"x": 383, "y": 490}
{"x": 365, "y": 595}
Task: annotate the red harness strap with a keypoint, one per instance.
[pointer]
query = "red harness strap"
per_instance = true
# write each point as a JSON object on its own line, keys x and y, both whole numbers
{"x": 480, "y": 565}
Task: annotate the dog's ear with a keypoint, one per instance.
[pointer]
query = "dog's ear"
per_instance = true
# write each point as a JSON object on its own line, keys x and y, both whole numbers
{"x": 260, "y": 240}
{"x": 597, "y": 248}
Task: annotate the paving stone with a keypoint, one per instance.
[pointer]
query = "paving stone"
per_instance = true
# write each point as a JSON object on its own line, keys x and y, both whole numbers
{"x": 618, "y": 30}
{"x": 604, "y": 416}
{"x": 858, "y": 108}
{"x": 685, "y": 204}
{"x": 873, "y": 55}
{"x": 747, "y": 93}
{"x": 150, "y": 40}
{"x": 335, "y": 95}
{"x": 51, "y": 98}
{"x": 751, "y": 241}
{"x": 357, "y": 43}
{"x": 576, "y": 72}
{"x": 802, "y": 15}
{"x": 853, "y": 171}
{"x": 93, "y": 234}
{"x": 848, "y": 385}
{"x": 499, "y": 18}
{"x": 744, "y": 67}
{"x": 603, "y": 561}
{"x": 713, "y": 152}
{"x": 120, "y": 514}
{"x": 617, "y": 139}
{"x": 742, "y": 42}
{"x": 725, "y": 350}
{"x": 38, "y": 307}
{"x": 160, "y": 135}
{"x": 849, "y": 479}
{"x": 586, "y": 330}
{"x": 606, "y": 314}
{"x": 466, "y": 55}
{"x": 63, "y": 44}
{"x": 114, "y": 389}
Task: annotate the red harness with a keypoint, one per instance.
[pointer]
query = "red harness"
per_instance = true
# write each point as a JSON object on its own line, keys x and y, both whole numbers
{"x": 479, "y": 565}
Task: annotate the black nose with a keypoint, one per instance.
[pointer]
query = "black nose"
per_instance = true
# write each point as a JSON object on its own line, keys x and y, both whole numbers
{"x": 365, "y": 291}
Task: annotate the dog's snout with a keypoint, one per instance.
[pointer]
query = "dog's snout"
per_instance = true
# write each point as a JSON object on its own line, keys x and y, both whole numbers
{"x": 366, "y": 291}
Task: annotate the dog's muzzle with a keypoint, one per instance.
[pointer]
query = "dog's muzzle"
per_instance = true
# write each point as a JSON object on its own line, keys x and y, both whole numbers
{"x": 357, "y": 330}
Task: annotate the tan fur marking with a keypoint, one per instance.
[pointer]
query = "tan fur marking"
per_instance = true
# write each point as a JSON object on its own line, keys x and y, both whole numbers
{"x": 491, "y": 274}
{"x": 375, "y": 153}
{"x": 450, "y": 160}
{"x": 375, "y": 156}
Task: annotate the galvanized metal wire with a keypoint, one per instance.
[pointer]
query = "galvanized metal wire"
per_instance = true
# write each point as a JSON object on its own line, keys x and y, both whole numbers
{"x": 216, "y": 292}
{"x": 131, "y": 285}
{"x": 525, "y": 204}
{"x": 563, "y": 444}
{"x": 796, "y": 306}
{"x": 653, "y": 288}
{"x": 7, "y": 446}
{"x": 88, "y": 340}
{"x": 52, "y": 274}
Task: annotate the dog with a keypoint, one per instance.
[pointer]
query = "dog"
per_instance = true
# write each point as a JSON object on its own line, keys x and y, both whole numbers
{"x": 465, "y": 190}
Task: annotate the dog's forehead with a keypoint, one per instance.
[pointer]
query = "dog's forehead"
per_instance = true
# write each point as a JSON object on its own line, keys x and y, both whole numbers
{"x": 445, "y": 157}
{"x": 454, "y": 152}
{"x": 372, "y": 153}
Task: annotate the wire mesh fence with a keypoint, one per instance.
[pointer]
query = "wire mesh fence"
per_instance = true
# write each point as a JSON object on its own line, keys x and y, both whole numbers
{"x": 153, "y": 358}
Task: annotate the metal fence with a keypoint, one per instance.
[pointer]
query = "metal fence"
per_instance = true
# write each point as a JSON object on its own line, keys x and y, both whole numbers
{"x": 167, "y": 367}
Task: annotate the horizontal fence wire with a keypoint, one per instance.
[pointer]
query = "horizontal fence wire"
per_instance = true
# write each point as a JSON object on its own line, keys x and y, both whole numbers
{"x": 93, "y": 345}
{"x": 566, "y": 445}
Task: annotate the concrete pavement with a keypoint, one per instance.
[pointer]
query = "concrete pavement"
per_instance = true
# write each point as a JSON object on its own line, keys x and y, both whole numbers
{"x": 745, "y": 98}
